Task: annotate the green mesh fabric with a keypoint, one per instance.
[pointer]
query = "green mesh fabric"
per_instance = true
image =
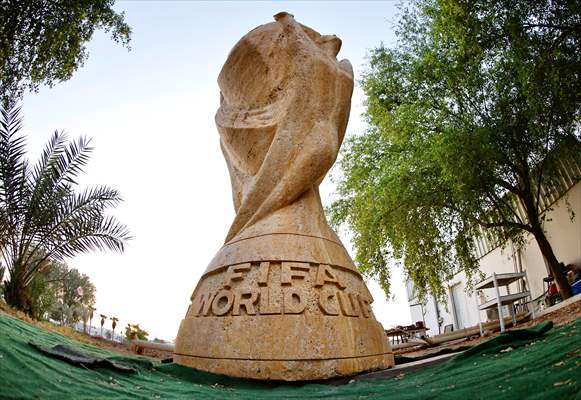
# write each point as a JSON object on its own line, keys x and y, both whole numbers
{"x": 535, "y": 363}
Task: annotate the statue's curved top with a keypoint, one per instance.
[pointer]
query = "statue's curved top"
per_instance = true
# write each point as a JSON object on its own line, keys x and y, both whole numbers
{"x": 284, "y": 107}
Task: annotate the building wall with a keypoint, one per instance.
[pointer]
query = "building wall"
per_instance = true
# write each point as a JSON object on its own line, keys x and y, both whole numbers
{"x": 565, "y": 238}
{"x": 427, "y": 312}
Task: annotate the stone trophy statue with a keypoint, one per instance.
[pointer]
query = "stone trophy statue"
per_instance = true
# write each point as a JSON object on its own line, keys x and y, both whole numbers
{"x": 282, "y": 299}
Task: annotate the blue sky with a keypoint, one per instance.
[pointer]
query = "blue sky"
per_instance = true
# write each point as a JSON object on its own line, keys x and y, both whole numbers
{"x": 150, "y": 112}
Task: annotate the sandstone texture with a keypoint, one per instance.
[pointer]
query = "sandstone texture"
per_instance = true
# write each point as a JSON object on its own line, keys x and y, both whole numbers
{"x": 282, "y": 299}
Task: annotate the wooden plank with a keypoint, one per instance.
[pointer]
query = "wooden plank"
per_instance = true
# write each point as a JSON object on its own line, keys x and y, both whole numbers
{"x": 504, "y": 300}
{"x": 502, "y": 279}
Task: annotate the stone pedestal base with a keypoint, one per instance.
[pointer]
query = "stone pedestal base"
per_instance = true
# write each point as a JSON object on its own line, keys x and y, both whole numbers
{"x": 283, "y": 347}
{"x": 288, "y": 370}
{"x": 279, "y": 319}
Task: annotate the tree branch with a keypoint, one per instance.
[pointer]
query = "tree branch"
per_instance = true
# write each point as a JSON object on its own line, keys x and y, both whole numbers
{"x": 553, "y": 26}
{"x": 508, "y": 225}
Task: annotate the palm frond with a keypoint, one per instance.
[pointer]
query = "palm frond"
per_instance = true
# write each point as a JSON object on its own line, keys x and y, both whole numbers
{"x": 51, "y": 183}
{"x": 58, "y": 166}
{"x": 69, "y": 209}
{"x": 13, "y": 176}
{"x": 90, "y": 234}
{"x": 13, "y": 165}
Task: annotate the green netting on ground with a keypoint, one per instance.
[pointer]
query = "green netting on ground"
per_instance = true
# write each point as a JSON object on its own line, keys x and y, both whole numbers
{"x": 537, "y": 365}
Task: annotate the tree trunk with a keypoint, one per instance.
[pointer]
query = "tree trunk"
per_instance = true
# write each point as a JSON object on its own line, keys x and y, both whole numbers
{"x": 15, "y": 295}
{"x": 556, "y": 270}
{"x": 531, "y": 208}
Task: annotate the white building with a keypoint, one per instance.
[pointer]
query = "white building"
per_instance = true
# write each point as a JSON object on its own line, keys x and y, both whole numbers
{"x": 564, "y": 234}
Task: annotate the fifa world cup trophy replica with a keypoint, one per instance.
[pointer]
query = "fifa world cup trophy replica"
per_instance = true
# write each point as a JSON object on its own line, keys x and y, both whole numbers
{"x": 282, "y": 299}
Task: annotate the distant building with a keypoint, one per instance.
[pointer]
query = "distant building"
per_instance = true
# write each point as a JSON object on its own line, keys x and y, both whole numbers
{"x": 460, "y": 309}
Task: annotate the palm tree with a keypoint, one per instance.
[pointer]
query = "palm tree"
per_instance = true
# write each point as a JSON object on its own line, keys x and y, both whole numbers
{"x": 113, "y": 325}
{"x": 42, "y": 217}
{"x": 103, "y": 318}
{"x": 84, "y": 316}
{"x": 91, "y": 311}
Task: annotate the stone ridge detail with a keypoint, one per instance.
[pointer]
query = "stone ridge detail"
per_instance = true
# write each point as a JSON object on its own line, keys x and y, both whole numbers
{"x": 284, "y": 233}
{"x": 282, "y": 247}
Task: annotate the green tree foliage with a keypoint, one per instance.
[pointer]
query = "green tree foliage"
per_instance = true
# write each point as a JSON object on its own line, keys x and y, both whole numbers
{"x": 42, "y": 295}
{"x": 465, "y": 115}
{"x": 43, "y": 217}
{"x": 133, "y": 332}
{"x": 74, "y": 292}
{"x": 60, "y": 293}
{"x": 43, "y": 41}
{"x": 76, "y": 288}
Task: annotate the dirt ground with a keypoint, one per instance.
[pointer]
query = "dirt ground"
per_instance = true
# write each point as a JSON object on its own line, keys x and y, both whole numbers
{"x": 64, "y": 330}
{"x": 559, "y": 317}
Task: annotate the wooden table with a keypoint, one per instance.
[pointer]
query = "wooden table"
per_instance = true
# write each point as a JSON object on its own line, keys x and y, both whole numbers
{"x": 395, "y": 334}
{"x": 403, "y": 335}
{"x": 410, "y": 333}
